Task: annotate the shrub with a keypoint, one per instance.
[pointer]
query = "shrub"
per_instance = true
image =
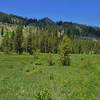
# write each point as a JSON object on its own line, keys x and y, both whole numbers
{"x": 50, "y": 59}
{"x": 51, "y": 76}
{"x": 31, "y": 62}
{"x": 41, "y": 71}
{"x": 33, "y": 68}
{"x": 65, "y": 59}
{"x": 64, "y": 50}
{"x": 27, "y": 70}
{"x": 38, "y": 63}
{"x": 82, "y": 59}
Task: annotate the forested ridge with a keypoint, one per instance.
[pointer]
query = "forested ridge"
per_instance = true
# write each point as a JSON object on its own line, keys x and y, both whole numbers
{"x": 18, "y": 34}
{"x": 70, "y": 28}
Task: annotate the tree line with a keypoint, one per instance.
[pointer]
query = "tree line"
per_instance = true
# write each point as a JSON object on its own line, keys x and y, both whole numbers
{"x": 40, "y": 40}
{"x": 44, "y": 41}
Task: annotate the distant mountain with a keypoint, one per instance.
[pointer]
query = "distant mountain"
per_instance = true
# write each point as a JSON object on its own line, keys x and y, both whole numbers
{"x": 13, "y": 19}
{"x": 70, "y": 28}
{"x": 47, "y": 20}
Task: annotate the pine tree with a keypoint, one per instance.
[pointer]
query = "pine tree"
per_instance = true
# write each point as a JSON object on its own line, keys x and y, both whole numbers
{"x": 30, "y": 44}
{"x": 19, "y": 40}
{"x": 12, "y": 38}
{"x": 64, "y": 50}
{"x": 2, "y": 31}
{"x": 5, "y": 43}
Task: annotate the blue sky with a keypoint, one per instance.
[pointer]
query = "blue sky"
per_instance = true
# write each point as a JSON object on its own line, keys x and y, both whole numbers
{"x": 81, "y": 11}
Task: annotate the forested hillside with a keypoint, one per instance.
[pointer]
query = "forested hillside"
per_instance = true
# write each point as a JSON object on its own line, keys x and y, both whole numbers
{"x": 72, "y": 29}
{"x": 18, "y": 34}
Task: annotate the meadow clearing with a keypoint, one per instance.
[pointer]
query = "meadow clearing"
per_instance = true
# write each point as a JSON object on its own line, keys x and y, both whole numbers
{"x": 26, "y": 77}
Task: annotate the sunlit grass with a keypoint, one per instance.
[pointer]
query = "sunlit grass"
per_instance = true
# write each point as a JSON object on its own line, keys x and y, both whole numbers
{"x": 22, "y": 77}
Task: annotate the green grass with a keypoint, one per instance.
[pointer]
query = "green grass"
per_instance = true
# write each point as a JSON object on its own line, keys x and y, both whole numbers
{"x": 23, "y": 77}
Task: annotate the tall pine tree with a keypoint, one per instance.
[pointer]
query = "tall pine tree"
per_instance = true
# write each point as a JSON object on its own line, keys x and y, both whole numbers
{"x": 19, "y": 40}
{"x": 30, "y": 43}
{"x": 5, "y": 43}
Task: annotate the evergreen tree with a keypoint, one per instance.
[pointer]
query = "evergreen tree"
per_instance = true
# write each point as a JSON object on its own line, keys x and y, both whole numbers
{"x": 19, "y": 40}
{"x": 12, "y": 40}
{"x": 30, "y": 44}
{"x": 64, "y": 50}
{"x": 5, "y": 43}
{"x": 2, "y": 31}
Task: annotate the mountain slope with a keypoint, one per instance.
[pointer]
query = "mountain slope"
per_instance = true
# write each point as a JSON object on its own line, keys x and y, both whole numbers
{"x": 72, "y": 29}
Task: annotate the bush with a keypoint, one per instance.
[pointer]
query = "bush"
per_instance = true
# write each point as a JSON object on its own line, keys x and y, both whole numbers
{"x": 51, "y": 76}
{"x": 38, "y": 63}
{"x": 64, "y": 50}
{"x": 65, "y": 59}
{"x": 50, "y": 59}
{"x": 41, "y": 71}
{"x": 82, "y": 59}
{"x": 31, "y": 62}
{"x": 27, "y": 70}
{"x": 33, "y": 68}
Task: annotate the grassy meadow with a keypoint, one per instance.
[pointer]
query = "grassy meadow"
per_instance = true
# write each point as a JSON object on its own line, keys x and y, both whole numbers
{"x": 23, "y": 77}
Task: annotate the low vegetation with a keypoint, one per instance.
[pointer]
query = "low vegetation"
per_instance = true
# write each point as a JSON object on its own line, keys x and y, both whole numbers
{"x": 21, "y": 78}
